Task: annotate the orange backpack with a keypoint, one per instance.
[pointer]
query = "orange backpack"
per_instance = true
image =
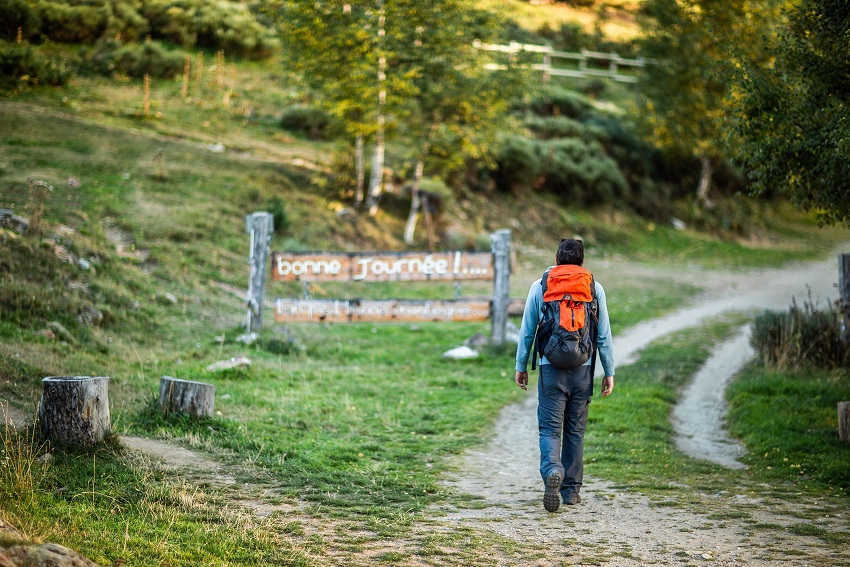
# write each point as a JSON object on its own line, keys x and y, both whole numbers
{"x": 566, "y": 335}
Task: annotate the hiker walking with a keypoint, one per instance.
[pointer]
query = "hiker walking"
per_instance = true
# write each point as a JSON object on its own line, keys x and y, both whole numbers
{"x": 566, "y": 318}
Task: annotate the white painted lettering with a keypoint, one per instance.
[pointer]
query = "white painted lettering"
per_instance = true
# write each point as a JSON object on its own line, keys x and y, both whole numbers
{"x": 363, "y": 263}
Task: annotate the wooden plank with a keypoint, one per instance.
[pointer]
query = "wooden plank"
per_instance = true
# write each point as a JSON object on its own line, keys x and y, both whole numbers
{"x": 382, "y": 266}
{"x": 315, "y": 310}
{"x": 500, "y": 243}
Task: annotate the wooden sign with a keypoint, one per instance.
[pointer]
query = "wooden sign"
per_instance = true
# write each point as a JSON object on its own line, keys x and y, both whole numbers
{"x": 305, "y": 310}
{"x": 381, "y": 266}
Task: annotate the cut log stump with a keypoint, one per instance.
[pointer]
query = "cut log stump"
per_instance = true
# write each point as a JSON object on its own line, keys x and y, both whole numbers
{"x": 844, "y": 421}
{"x": 74, "y": 410}
{"x": 196, "y": 399}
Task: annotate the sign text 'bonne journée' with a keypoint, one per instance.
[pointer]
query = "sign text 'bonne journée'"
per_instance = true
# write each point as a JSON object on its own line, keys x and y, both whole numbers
{"x": 382, "y": 266}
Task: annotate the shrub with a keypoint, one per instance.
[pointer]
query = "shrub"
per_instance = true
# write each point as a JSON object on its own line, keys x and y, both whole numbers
{"x": 23, "y": 62}
{"x": 149, "y": 58}
{"x": 802, "y": 336}
{"x": 218, "y": 24}
{"x": 69, "y": 22}
{"x": 556, "y": 102}
{"x": 310, "y": 120}
{"x": 16, "y": 14}
{"x": 581, "y": 172}
{"x": 276, "y": 206}
{"x": 547, "y": 127}
{"x": 518, "y": 163}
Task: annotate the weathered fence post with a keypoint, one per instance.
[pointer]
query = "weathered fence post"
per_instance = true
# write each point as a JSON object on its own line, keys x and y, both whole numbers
{"x": 844, "y": 421}
{"x": 500, "y": 245}
{"x": 261, "y": 227}
{"x": 844, "y": 291}
{"x": 74, "y": 410}
{"x": 196, "y": 399}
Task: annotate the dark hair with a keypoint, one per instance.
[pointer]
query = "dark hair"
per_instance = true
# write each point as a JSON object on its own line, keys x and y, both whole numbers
{"x": 570, "y": 251}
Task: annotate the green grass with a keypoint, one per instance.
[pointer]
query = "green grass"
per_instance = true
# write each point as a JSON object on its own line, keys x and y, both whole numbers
{"x": 801, "y": 448}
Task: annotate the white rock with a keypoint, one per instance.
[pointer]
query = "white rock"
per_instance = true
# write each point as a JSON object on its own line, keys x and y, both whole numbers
{"x": 678, "y": 224}
{"x": 247, "y": 338}
{"x": 460, "y": 353}
{"x": 217, "y": 148}
{"x": 235, "y": 362}
{"x": 476, "y": 340}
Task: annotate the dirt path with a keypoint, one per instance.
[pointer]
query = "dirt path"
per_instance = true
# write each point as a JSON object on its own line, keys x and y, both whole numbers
{"x": 626, "y": 528}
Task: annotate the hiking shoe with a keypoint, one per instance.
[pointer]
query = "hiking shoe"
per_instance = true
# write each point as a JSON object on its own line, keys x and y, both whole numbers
{"x": 551, "y": 496}
{"x": 572, "y": 499}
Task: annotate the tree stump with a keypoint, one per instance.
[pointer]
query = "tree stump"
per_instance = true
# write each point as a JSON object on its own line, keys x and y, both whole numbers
{"x": 74, "y": 410}
{"x": 196, "y": 399}
{"x": 844, "y": 421}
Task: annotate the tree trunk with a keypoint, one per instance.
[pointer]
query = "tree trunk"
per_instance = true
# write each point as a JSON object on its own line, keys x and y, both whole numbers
{"x": 429, "y": 223}
{"x": 705, "y": 179}
{"x": 361, "y": 173}
{"x": 74, "y": 410}
{"x": 196, "y": 399}
{"x": 844, "y": 421}
{"x": 415, "y": 202}
{"x": 376, "y": 180}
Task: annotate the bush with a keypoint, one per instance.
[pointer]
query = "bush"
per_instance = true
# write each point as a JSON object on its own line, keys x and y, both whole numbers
{"x": 16, "y": 14}
{"x": 220, "y": 24}
{"x": 23, "y": 63}
{"x": 150, "y": 58}
{"x": 310, "y": 120}
{"x": 556, "y": 102}
{"x": 276, "y": 206}
{"x": 67, "y": 22}
{"x": 518, "y": 163}
{"x": 581, "y": 172}
{"x": 802, "y": 336}
{"x": 547, "y": 127}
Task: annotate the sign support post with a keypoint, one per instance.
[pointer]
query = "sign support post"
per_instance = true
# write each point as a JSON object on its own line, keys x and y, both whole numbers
{"x": 500, "y": 245}
{"x": 261, "y": 227}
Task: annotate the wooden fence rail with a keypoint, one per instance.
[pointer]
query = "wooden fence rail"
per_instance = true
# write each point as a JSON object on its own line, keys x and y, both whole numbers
{"x": 585, "y": 61}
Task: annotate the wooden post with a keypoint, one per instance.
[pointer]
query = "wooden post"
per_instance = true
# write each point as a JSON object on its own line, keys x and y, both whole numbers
{"x": 196, "y": 399}
{"x": 74, "y": 410}
{"x": 844, "y": 421}
{"x": 500, "y": 245}
{"x": 260, "y": 227}
{"x": 844, "y": 292}
{"x": 547, "y": 66}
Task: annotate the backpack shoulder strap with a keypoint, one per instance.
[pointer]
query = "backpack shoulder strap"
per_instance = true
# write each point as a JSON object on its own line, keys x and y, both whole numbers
{"x": 544, "y": 281}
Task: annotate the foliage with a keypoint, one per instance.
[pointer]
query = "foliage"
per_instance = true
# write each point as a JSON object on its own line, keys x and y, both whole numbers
{"x": 801, "y": 337}
{"x": 220, "y": 24}
{"x": 690, "y": 43}
{"x": 581, "y": 173}
{"x": 22, "y": 63}
{"x": 310, "y": 120}
{"x": 18, "y": 14}
{"x": 276, "y": 206}
{"x": 149, "y": 58}
{"x": 793, "y": 117}
{"x": 518, "y": 163}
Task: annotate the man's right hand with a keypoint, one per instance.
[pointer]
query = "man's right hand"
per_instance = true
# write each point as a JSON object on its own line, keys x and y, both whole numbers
{"x": 521, "y": 379}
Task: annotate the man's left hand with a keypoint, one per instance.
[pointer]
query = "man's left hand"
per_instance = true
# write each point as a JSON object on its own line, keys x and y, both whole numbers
{"x": 607, "y": 386}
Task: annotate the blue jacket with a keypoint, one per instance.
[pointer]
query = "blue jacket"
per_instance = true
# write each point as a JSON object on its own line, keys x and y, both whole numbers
{"x": 531, "y": 317}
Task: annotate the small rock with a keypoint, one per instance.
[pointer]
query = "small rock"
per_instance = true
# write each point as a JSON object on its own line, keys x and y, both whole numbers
{"x": 247, "y": 338}
{"x": 707, "y": 556}
{"x": 414, "y": 328}
{"x": 217, "y": 148}
{"x": 63, "y": 254}
{"x": 511, "y": 333}
{"x": 90, "y": 315}
{"x": 74, "y": 183}
{"x": 60, "y": 331}
{"x": 678, "y": 224}
{"x": 460, "y": 353}
{"x": 45, "y": 458}
{"x": 84, "y": 264}
{"x": 10, "y": 220}
{"x": 224, "y": 397}
{"x": 476, "y": 341}
{"x": 47, "y": 333}
{"x": 165, "y": 298}
{"x": 235, "y": 362}
{"x": 47, "y": 554}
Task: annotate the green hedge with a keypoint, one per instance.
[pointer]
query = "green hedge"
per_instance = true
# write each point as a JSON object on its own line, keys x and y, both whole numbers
{"x": 21, "y": 63}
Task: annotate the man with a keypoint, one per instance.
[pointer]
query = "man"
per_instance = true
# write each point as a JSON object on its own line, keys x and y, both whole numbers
{"x": 564, "y": 394}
